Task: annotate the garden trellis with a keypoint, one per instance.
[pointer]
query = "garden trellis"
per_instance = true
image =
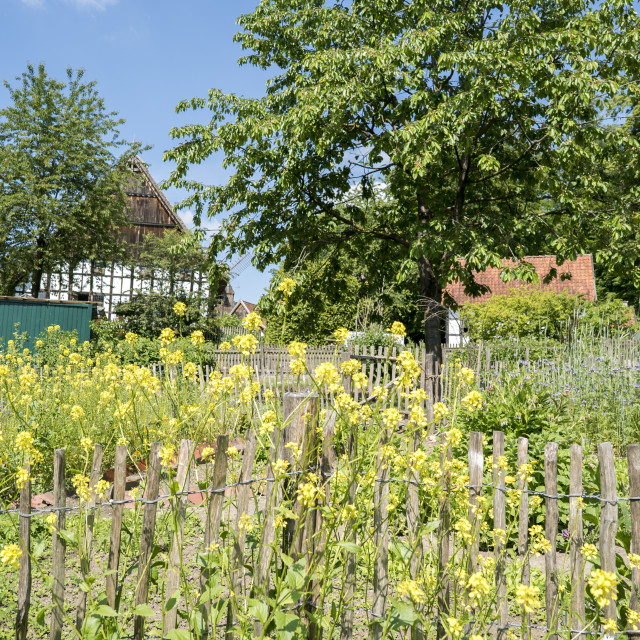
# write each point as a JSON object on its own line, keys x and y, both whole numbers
{"x": 293, "y": 545}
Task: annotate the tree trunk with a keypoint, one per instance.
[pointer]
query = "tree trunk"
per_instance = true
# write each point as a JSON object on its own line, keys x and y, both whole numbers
{"x": 431, "y": 298}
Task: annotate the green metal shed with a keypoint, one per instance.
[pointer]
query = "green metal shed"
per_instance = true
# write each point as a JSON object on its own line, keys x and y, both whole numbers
{"x": 34, "y": 315}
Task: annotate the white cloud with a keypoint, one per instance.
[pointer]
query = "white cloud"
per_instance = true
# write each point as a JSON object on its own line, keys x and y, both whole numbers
{"x": 98, "y": 5}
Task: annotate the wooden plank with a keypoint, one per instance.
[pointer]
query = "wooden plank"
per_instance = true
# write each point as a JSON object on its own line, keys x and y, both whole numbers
{"x": 500, "y": 524}
{"x": 178, "y": 513}
{"x": 523, "y": 518}
{"x": 119, "y": 484}
{"x": 214, "y": 512}
{"x": 59, "y": 545}
{"x": 476, "y": 467}
{"x": 633, "y": 463}
{"x": 551, "y": 533}
{"x": 85, "y": 558}
{"x": 151, "y": 491}
{"x": 381, "y": 545}
{"x": 414, "y": 536}
{"x": 24, "y": 577}
{"x": 444, "y": 535}
{"x": 237, "y": 557}
{"x": 576, "y": 540}
{"x": 608, "y": 516}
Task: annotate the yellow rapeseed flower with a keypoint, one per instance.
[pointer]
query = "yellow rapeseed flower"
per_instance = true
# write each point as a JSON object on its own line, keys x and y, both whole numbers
{"x": 11, "y": 555}
{"x": 287, "y": 287}
{"x": 397, "y": 330}
{"x": 603, "y": 586}
{"x": 527, "y": 597}
{"x": 180, "y": 309}
{"x": 252, "y": 321}
{"x": 341, "y": 335}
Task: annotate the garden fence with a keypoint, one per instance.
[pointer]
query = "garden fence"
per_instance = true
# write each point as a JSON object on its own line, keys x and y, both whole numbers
{"x": 308, "y": 538}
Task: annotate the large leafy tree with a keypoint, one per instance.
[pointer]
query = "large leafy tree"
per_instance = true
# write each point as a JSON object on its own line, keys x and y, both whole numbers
{"x": 63, "y": 174}
{"x": 486, "y": 122}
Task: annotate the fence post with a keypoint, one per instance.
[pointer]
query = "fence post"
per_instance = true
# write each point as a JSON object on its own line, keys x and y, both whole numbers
{"x": 633, "y": 462}
{"x": 444, "y": 534}
{"x": 244, "y": 490}
{"x": 24, "y": 580}
{"x": 523, "y": 516}
{"x": 576, "y": 540}
{"x": 152, "y": 489}
{"x": 500, "y": 523}
{"x": 214, "y": 513}
{"x": 551, "y": 533}
{"x": 85, "y": 545}
{"x": 178, "y": 513}
{"x": 59, "y": 544}
{"x": 413, "y": 523}
{"x": 119, "y": 485}
{"x": 381, "y": 543}
{"x": 608, "y": 515}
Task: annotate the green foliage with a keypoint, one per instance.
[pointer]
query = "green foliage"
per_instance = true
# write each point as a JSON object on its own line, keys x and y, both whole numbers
{"x": 148, "y": 314}
{"x": 174, "y": 253}
{"x": 62, "y": 186}
{"x": 484, "y": 133}
{"x": 526, "y": 313}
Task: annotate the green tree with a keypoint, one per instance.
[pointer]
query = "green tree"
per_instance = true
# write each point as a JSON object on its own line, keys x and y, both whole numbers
{"x": 174, "y": 253}
{"x": 62, "y": 186}
{"x": 484, "y": 122}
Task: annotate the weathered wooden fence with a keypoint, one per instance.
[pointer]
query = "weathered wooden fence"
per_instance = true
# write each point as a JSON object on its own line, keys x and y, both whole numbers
{"x": 308, "y": 538}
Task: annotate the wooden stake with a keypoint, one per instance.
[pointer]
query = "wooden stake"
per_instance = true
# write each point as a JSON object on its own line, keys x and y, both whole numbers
{"x": 59, "y": 545}
{"x": 24, "y": 579}
{"x": 146, "y": 539}
{"x": 576, "y": 540}
{"x": 633, "y": 463}
{"x": 179, "y": 512}
{"x": 85, "y": 551}
{"x": 523, "y": 518}
{"x": 119, "y": 484}
{"x": 551, "y": 532}
{"x": 608, "y": 516}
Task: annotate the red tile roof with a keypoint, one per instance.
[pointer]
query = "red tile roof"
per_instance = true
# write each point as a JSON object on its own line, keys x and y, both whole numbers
{"x": 579, "y": 279}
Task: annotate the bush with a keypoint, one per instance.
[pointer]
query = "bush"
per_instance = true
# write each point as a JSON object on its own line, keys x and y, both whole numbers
{"x": 526, "y": 314}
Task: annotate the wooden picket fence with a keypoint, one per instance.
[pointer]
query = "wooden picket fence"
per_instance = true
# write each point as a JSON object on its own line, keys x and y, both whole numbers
{"x": 309, "y": 540}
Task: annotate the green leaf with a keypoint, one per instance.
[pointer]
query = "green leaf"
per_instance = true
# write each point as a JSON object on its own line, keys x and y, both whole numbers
{"x": 104, "y": 611}
{"x": 351, "y": 547}
{"x": 259, "y": 610}
{"x": 287, "y": 625}
{"x": 143, "y": 610}
{"x": 172, "y": 601}
{"x": 179, "y": 634}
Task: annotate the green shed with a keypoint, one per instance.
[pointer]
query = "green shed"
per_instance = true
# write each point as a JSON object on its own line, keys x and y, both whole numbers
{"x": 34, "y": 315}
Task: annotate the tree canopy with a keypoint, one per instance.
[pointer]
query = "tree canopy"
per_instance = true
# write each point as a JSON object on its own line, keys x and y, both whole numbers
{"x": 62, "y": 182}
{"x": 486, "y": 123}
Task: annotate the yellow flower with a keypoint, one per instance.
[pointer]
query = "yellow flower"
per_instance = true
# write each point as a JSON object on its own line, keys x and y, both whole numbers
{"x": 391, "y": 418}
{"x": 349, "y": 512}
{"x": 341, "y": 335}
{"x": 77, "y": 412}
{"x": 633, "y": 618}
{"x": 252, "y": 321}
{"x": 190, "y": 371}
{"x": 590, "y": 551}
{"x": 410, "y": 589}
{"x": 454, "y": 437}
{"x": 22, "y": 477}
{"x": 297, "y": 367}
{"x": 466, "y": 375}
{"x": 131, "y": 338}
{"x": 52, "y": 521}
{"x": 207, "y": 453}
{"x": 327, "y": 374}
{"x": 167, "y": 336}
{"x": 280, "y": 467}
{"x": 180, "y": 308}
{"x": 309, "y": 492}
{"x": 527, "y": 597}
{"x": 197, "y": 338}
{"x": 297, "y": 349}
{"x": 455, "y": 627}
{"x": 603, "y": 586}
{"x": 349, "y": 367}
{"x": 24, "y": 441}
{"x": 478, "y": 587}
{"x": 246, "y": 343}
{"x": 245, "y": 523}
{"x": 610, "y": 626}
{"x": 634, "y": 560}
{"x": 397, "y": 330}
{"x": 225, "y": 346}
{"x": 39, "y": 344}
{"x": 440, "y": 412}
{"x": 166, "y": 455}
{"x": 11, "y": 555}
{"x": 287, "y": 287}
{"x": 472, "y": 401}
{"x": 86, "y": 443}
{"x": 409, "y": 369}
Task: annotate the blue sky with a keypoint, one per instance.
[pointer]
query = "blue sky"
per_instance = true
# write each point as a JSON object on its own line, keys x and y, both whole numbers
{"x": 146, "y": 56}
